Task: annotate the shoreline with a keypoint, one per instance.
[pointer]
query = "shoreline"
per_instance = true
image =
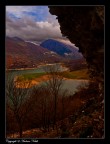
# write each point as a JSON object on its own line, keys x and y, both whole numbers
{"x": 21, "y": 69}
{"x": 76, "y": 79}
{"x": 36, "y": 67}
{"x": 44, "y": 78}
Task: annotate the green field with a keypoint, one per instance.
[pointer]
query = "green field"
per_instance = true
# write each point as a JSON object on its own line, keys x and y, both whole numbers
{"x": 79, "y": 74}
{"x": 30, "y": 76}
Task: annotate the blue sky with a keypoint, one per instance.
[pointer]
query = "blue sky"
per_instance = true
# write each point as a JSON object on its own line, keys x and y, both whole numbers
{"x": 33, "y": 23}
{"x": 38, "y": 13}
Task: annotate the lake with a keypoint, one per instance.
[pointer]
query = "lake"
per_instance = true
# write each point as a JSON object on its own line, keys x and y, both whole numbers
{"x": 69, "y": 84}
{"x": 40, "y": 69}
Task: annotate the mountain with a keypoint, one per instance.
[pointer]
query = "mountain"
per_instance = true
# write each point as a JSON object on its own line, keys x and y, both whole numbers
{"x": 22, "y": 54}
{"x": 61, "y": 48}
{"x": 18, "y": 39}
{"x": 27, "y": 54}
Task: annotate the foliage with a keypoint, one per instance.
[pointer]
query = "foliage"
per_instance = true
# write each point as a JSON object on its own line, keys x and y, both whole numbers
{"x": 18, "y": 100}
{"x": 65, "y": 132}
{"x": 77, "y": 112}
{"x": 86, "y": 131}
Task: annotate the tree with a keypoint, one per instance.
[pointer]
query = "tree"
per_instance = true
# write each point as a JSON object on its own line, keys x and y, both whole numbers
{"x": 63, "y": 98}
{"x": 46, "y": 107}
{"x": 54, "y": 85}
{"x": 18, "y": 99}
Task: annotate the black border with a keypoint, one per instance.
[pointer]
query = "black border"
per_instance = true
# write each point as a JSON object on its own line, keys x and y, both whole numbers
{"x": 107, "y": 72}
{"x": 2, "y": 69}
{"x": 2, "y": 72}
{"x": 56, "y": 2}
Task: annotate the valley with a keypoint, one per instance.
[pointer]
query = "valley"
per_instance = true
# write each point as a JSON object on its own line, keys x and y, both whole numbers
{"x": 23, "y": 54}
{"x": 27, "y": 61}
{"x": 37, "y": 76}
{"x": 32, "y": 69}
{"x": 54, "y": 72}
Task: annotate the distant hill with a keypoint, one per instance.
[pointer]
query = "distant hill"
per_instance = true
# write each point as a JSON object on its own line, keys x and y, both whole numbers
{"x": 21, "y": 54}
{"x": 62, "y": 49}
{"x": 27, "y": 54}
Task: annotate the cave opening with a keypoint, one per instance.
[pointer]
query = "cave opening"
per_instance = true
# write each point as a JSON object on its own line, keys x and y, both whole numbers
{"x": 84, "y": 26}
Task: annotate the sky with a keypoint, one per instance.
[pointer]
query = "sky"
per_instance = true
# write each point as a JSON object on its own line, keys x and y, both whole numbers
{"x": 32, "y": 23}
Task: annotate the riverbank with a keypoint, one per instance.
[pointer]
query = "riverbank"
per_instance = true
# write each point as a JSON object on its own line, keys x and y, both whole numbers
{"x": 41, "y": 65}
{"x": 21, "y": 69}
{"x": 42, "y": 79}
{"x": 82, "y": 80}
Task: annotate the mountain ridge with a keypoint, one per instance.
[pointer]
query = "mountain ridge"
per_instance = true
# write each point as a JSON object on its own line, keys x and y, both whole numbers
{"x": 21, "y": 54}
{"x": 65, "y": 49}
{"x": 26, "y": 54}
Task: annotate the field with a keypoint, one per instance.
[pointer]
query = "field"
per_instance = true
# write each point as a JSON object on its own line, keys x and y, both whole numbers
{"x": 79, "y": 74}
{"x": 30, "y": 76}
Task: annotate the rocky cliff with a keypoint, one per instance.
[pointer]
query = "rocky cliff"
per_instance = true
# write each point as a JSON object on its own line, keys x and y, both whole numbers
{"x": 84, "y": 26}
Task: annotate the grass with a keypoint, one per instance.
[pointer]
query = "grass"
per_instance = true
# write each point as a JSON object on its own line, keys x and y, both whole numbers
{"x": 79, "y": 74}
{"x": 30, "y": 76}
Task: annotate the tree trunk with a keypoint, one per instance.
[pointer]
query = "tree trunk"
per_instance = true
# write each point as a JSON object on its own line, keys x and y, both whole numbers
{"x": 57, "y": 129}
{"x": 53, "y": 125}
{"x": 62, "y": 108}
{"x": 20, "y": 131}
{"x": 55, "y": 110}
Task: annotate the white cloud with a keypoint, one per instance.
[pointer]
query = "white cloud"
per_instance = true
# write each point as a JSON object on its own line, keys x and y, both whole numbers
{"x": 28, "y": 29}
{"x": 44, "y": 24}
{"x": 66, "y": 41}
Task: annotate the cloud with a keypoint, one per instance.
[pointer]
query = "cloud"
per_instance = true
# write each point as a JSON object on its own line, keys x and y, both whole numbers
{"x": 29, "y": 29}
{"x": 33, "y": 23}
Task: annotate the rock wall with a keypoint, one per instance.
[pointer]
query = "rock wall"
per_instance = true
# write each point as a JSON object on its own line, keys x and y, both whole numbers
{"x": 84, "y": 26}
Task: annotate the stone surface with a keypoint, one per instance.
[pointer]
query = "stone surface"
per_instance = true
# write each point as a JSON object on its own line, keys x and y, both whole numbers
{"x": 84, "y": 26}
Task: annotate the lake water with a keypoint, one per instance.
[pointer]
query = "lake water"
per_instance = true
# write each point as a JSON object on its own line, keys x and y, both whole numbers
{"x": 72, "y": 85}
{"x": 69, "y": 84}
{"x": 40, "y": 69}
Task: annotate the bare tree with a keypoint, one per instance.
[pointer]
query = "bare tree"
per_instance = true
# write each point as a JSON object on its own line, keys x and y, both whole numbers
{"x": 45, "y": 105}
{"x": 63, "y": 98}
{"x": 54, "y": 85}
{"x": 18, "y": 99}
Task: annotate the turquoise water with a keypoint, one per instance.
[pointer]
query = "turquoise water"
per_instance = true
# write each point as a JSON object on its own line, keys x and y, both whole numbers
{"x": 40, "y": 69}
{"x": 69, "y": 84}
